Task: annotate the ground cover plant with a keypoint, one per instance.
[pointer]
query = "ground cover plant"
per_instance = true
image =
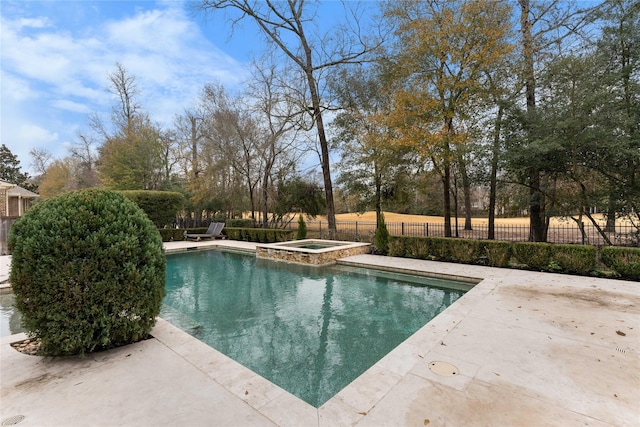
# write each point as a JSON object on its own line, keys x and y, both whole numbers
{"x": 87, "y": 271}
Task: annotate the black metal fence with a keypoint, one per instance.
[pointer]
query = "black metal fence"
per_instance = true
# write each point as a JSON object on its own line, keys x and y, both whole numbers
{"x": 624, "y": 235}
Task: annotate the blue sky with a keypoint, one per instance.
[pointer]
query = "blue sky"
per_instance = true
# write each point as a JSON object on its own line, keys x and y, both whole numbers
{"x": 55, "y": 57}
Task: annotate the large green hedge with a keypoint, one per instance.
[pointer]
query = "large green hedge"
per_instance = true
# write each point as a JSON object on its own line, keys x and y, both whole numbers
{"x": 536, "y": 256}
{"x": 259, "y": 235}
{"x": 576, "y": 259}
{"x": 160, "y": 206}
{"x": 625, "y": 261}
{"x": 87, "y": 271}
{"x": 174, "y": 234}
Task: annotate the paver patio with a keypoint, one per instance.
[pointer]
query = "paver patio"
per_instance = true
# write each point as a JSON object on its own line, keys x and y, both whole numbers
{"x": 531, "y": 349}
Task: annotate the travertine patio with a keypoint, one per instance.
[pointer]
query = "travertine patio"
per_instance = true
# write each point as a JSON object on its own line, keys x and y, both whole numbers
{"x": 531, "y": 349}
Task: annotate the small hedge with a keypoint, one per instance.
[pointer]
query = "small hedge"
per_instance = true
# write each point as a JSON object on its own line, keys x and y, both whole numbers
{"x": 240, "y": 223}
{"x": 397, "y": 246}
{"x": 259, "y": 235}
{"x": 87, "y": 271}
{"x": 497, "y": 253}
{"x": 160, "y": 206}
{"x": 435, "y": 248}
{"x": 577, "y": 259}
{"x": 536, "y": 256}
{"x": 466, "y": 251}
{"x": 173, "y": 234}
{"x": 625, "y": 261}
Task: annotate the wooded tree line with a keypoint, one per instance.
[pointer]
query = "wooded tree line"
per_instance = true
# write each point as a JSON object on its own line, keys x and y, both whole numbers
{"x": 533, "y": 103}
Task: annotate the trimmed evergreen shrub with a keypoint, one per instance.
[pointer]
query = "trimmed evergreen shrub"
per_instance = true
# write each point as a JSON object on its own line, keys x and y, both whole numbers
{"x": 498, "y": 253}
{"x": 625, "y": 261}
{"x": 240, "y": 223}
{"x": 467, "y": 251}
{"x": 416, "y": 247}
{"x": 440, "y": 247}
{"x": 261, "y": 235}
{"x": 160, "y": 206}
{"x": 577, "y": 259}
{"x": 381, "y": 240}
{"x": 87, "y": 271}
{"x": 396, "y": 246}
{"x": 302, "y": 229}
{"x": 173, "y": 234}
{"x": 534, "y": 255}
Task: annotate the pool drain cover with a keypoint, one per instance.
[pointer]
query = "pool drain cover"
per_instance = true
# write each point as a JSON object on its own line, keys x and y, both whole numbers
{"x": 443, "y": 368}
{"x": 11, "y": 421}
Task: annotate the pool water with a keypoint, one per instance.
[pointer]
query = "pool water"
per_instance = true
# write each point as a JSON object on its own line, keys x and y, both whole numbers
{"x": 309, "y": 330}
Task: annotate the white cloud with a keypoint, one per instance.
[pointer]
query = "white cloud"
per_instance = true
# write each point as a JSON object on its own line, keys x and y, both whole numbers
{"x": 54, "y": 72}
{"x": 36, "y": 134}
{"x": 65, "y": 104}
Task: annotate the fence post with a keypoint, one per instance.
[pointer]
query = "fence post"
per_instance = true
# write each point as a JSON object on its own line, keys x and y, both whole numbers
{"x": 426, "y": 230}
{"x": 402, "y": 230}
{"x": 356, "y": 230}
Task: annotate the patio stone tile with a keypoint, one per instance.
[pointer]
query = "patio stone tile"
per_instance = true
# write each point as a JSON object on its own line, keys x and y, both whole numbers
{"x": 289, "y": 411}
{"x": 337, "y": 412}
{"x": 363, "y": 392}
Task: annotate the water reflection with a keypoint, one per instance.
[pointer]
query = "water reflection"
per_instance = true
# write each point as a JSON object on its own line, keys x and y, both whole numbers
{"x": 309, "y": 330}
{"x": 10, "y": 319}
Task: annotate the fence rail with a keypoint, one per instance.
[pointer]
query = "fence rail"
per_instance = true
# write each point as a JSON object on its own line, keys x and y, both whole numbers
{"x": 624, "y": 235}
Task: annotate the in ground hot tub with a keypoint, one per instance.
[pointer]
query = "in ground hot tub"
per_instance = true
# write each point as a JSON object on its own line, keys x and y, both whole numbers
{"x": 311, "y": 251}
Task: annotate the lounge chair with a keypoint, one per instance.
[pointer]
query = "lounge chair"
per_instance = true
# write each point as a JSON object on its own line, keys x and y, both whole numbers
{"x": 213, "y": 232}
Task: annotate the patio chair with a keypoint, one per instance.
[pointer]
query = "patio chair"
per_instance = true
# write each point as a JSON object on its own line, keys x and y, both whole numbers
{"x": 213, "y": 232}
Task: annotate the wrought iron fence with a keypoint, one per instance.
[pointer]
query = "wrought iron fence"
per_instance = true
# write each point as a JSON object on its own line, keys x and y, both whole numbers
{"x": 624, "y": 235}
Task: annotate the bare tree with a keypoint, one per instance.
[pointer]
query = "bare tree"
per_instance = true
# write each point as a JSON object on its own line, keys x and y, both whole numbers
{"x": 123, "y": 85}
{"x": 40, "y": 160}
{"x": 286, "y": 25}
{"x": 279, "y": 119}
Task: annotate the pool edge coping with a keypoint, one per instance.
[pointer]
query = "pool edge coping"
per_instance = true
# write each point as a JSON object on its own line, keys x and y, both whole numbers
{"x": 269, "y": 399}
{"x": 348, "y": 409}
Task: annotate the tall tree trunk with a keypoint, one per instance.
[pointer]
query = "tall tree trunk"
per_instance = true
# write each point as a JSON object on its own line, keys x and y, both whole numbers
{"x": 493, "y": 182}
{"x": 326, "y": 168}
{"x": 265, "y": 195}
{"x": 322, "y": 137}
{"x": 466, "y": 192}
{"x": 378, "y": 196}
{"x": 610, "y": 227}
{"x": 536, "y": 197}
{"x": 446, "y": 193}
{"x": 195, "y": 172}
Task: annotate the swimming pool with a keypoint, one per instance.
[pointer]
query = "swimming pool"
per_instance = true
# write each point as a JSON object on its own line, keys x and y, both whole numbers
{"x": 309, "y": 330}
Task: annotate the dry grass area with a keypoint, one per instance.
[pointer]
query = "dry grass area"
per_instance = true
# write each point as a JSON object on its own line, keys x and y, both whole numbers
{"x": 390, "y": 217}
{"x": 561, "y": 230}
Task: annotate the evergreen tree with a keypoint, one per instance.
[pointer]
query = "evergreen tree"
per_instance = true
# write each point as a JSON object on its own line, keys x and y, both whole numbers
{"x": 10, "y": 169}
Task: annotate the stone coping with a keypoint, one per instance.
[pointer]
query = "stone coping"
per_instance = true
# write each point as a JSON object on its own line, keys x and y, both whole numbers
{"x": 529, "y": 349}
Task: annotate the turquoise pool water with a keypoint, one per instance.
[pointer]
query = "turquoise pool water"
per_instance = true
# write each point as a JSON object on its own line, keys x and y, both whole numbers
{"x": 309, "y": 330}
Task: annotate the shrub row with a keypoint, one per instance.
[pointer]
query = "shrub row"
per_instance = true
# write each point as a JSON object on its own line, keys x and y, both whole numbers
{"x": 260, "y": 235}
{"x": 625, "y": 261}
{"x": 576, "y": 259}
{"x": 493, "y": 253}
{"x": 174, "y": 234}
{"x": 241, "y": 223}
